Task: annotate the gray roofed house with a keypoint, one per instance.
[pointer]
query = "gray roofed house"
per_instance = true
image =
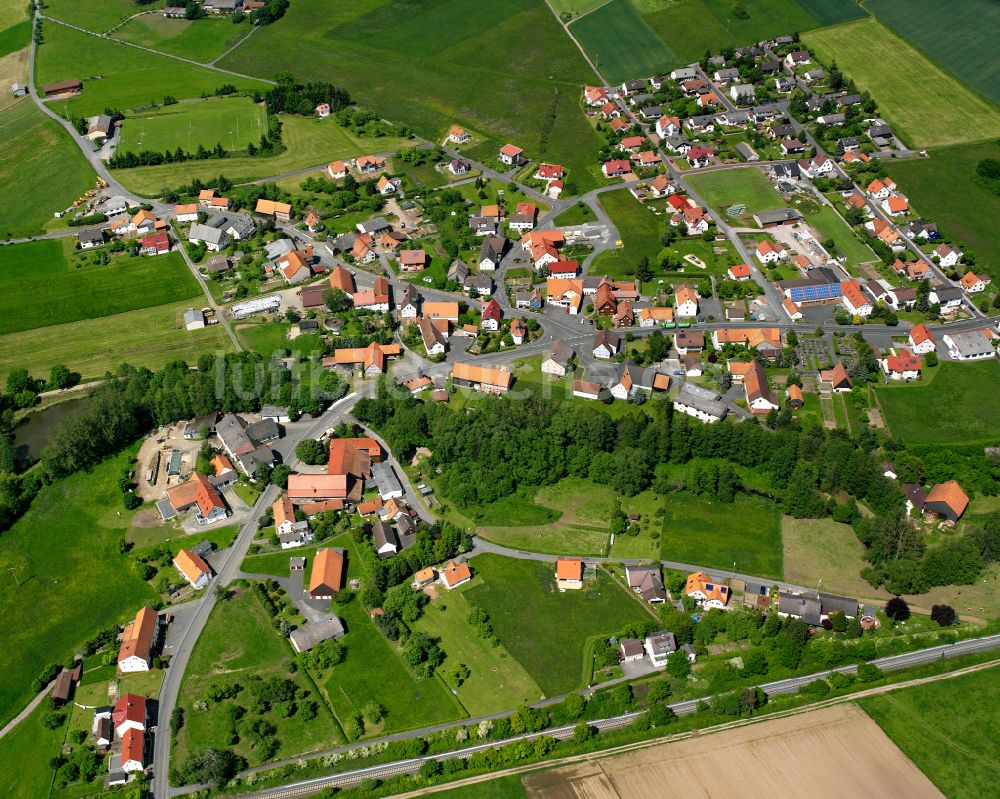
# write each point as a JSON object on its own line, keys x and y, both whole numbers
{"x": 491, "y": 252}
{"x": 651, "y": 112}
{"x": 373, "y": 226}
{"x": 684, "y": 73}
{"x": 264, "y": 430}
{"x": 386, "y": 480}
{"x": 848, "y": 143}
{"x": 727, "y": 74}
{"x": 770, "y": 67}
{"x": 677, "y": 143}
{"x": 481, "y": 284}
{"x": 783, "y": 84}
{"x": 217, "y": 263}
{"x": 832, "y": 603}
{"x": 660, "y": 646}
{"x": 239, "y": 226}
{"x": 647, "y": 582}
{"x": 561, "y": 354}
{"x": 261, "y": 456}
{"x": 701, "y": 403}
{"x": 641, "y": 99}
{"x": 342, "y": 243}
{"x": 831, "y": 119}
{"x": 458, "y": 271}
{"x": 91, "y": 237}
{"x": 305, "y": 638}
{"x": 733, "y": 118}
{"x": 113, "y": 206}
{"x": 746, "y": 152}
{"x": 482, "y": 226}
{"x": 212, "y": 237}
{"x": 800, "y": 606}
{"x": 781, "y": 216}
{"x": 275, "y": 249}
{"x": 193, "y": 319}
{"x": 387, "y": 541}
{"x": 743, "y": 93}
{"x": 100, "y": 127}
{"x": 704, "y": 122}
{"x": 18, "y": 90}
{"x": 848, "y": 99}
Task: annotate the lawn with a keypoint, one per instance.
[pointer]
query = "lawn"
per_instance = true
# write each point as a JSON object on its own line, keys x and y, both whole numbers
{"x": 964, "y": 44}
{"x": 308, "y": 142}
{"x": 73, "y": 581}
{"x": 690, "y": 27}
{"x": 25, "y": 772}
{"x": 32, "y": 143}
{"x": 92, "y": 16}
{"x": 233, "y": 122}
{"x": 582, "y": 514}
{"x": 497, "y": 681}
{"x": 200, "y": 40}
{"x": 503, "y": 788}
{"x": 239, "y": 643}
{"x": 75, "y": 288}
{"x": 621, "y": 44}
{"x": 638, "y": 228}
{"x": 715, "y": 534}
{"x": 963, "y": 396}
{"x": 822, "y": 549}
{"x": 925, "y": 105}
{"x": 831, "y": 226}
{"x": 731, "y": 186}
{"x": 270, "y": 337}
{"x": 944, "y": 188}
{"x": 575, "y": 215}
{"x": 433, "y": 64}
{"x": 175, "y": 540}
{"x": 150, "y": 337}
{"x": 949, "y": 729}
{"x": 545, "y": 630}
{"x": 118, "y": 76}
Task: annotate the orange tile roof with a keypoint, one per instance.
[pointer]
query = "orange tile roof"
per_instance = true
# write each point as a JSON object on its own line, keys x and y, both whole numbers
{"x": 969, "y": 279}
{"x": 317, "y": 486}
{"x": 221, "y": 464}
{"x": 455, "y": 573}
{"x": 341, "y": 279}
{"x": 137, "y": 638}
{"x": 699, "y": 581}
{"x": 283, "y": 510}
{"x": 132, "y": 746}
{"x": 569, "y": 569}
{"x": 191, "y": 565}
{"x": 739, "y": 270}
{"x": 752, "y": 337}
{"x": 896, "y": 205}
{"x": 794, "y": 393}
{"x": 327, "y": 570}
{"x": 272, "y": 207}
{"x": 951, "y": 494}
{"x": 195, "y": 490}
{"x": 511, "y": 150}
{"x": 920, "y": 334}
{"x": 347, "y": 458}
{"x": 441, "y": 310}
{"x": 481, "y": 374}
{"x": 368, "y": 508}
{"x": 324, "y": 506}
{"x": 424, "y": 575}
{"x": 853, "y": 294}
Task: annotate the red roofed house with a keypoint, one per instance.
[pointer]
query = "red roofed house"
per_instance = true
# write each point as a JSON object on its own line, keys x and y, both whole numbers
{"x": 854, "y": 299}
{"x": 156, "y": 244}
{"x": 327, "y": 573}
{"x": 921, "y": 340}
{"x": 946, "y": 500}
{"x": 973, "y": 283}
{"x": 129, "y": 713}
{"x": 739, "y": 272}
{"x": 632, "y": 144}
{"x": 457, "y": 135}
{"x": 133, "y": 751}
{"x": 837, "y": 377}
{"x": 569, "y": 574}
{"x": 412, "y": 260}
{"x": 549, "y": 172}
{"x": 616, "y": 168}
{"x": 699, "y": 156}
{"x": 595, "y": 95}
{"x": 198, "y": 493}
{"x": 706, "y": 592}
{"x": 895, "y": 206}
{"x": 511, "y": 155}
{"x": 454, "y": 574}
{"x": 492, "y": 314}
{"x": 903, "y": 366}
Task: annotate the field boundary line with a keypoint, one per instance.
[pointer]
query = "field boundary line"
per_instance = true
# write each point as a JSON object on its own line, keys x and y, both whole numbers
{"x": 626, "y": 748}
{"x": 586, "y": 57}
{"x": 585, "y": 13}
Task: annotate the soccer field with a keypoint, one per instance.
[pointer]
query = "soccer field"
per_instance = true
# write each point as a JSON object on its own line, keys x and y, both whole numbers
{"x": 233, "y": 122}
{"x": 926, "y": 105}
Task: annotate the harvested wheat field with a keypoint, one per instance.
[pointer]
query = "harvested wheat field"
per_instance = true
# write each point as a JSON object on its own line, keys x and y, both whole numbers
{"x": 830, "y": 753}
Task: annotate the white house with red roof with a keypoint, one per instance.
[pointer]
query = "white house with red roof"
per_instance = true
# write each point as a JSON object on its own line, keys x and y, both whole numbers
{"x": 511, "y": 155}
{"x": 616, "y": 168}
{"x": 667, "y": 126}
{"x": 921, "y": 340}
{"x": 973, "y": 283}
{"x": 129, "y": 713}
{"x": 739, "y": 272}
{"x": 854, "y": 299}
{"x": 492, "y": 314}
{"x": 881, "y": 189}
{"x": 699, "y": 156}
{"x": 902, "y": 366}
{"x": 948, "y": 256}
{"x": 595, "y": 95}
{"x": 549, "y": 172}
{"x": 769, "y": 253}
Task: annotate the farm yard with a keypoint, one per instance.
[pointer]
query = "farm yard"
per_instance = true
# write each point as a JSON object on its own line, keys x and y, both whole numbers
{"x": 75, "y": 288}
{"x": 431, "y": 65}
{"x": 926, "y": 106}
{"x": 949, "y": 729}
{"x": 621, "y": 44}
{"x": 967, "y": 390}
{"x": 200, "y": 40}
{"x": 308, "y": 142}
{"x": 703, "y": 532}
{"x": 526, "y": 608}
{"x": 827, "y": 754}
{"x": 119, "y": 76}
{"x": 150, "y": 337}
{"x": 964, "y": 44}
{"x": 259, "y": 650}
{"x": 944, "y": 188}
{"x": 232, "y": 122}
{"x": 32, "y": 142}
{"x": 64, "y": 551}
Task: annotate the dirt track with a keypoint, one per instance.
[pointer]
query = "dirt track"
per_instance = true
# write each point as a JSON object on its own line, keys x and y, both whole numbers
{"x": 831, "y": 753}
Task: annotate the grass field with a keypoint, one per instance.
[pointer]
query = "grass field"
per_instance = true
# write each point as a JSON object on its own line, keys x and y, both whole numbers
{"x": 831, "y": 226}
{"x": 706, "y": 533}
{"x": 433, "y": 64}
{"x": 497, "y": 681}
{"x": 64, "y": 551}
{"x": 32, "y": 143}
{"x": 964, "y": 44}
{"x": 581, "y": 529}
{"x": 94, "y": 16}
{"x": 638, "y": 228}
{"x": 74, "y": 288}
{"x": 731, "y": 186}
{"x": 502, "y": 788}
{"x": 149, "y": 337}
{"x": 239, "y": 643}
{"x": 949, "y": 729}
{"x": 621, "y": 44}
{"x": 200, "y": 40}
{"x": 690, "y": 27}
{"x": 963, "y": 395}
{"x": 943, "y": 187}
{"x": 119, "y": 76}
{"x": 15, "y": 37}
{"x": 24, "y": 757}
{"x": 308, "y": 142}
{"x": 575, "y": 215}
{"x": 269, "y": 337}
{"x": 525, "y": 609}
{"x": 925, "y": 105}
{"x": 822, "y": 549}
{"x": 232, "y": 122}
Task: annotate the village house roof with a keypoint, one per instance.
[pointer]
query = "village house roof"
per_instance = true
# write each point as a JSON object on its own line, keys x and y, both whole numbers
{"x": 950, "y": 494}
{"x": 569, "y": 569}
{"x": 191, "y": 565}
{"x": 197, "y": 490}
{"x": 327, "y": 571}
{"x": 137, "y": 638}
{"x": 455, "y": 573}
{"x": 473, "y": 373}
